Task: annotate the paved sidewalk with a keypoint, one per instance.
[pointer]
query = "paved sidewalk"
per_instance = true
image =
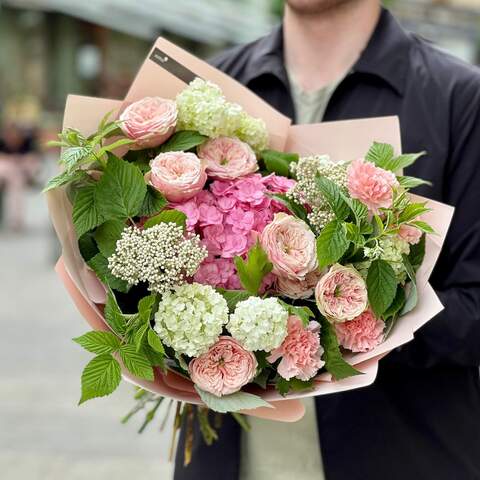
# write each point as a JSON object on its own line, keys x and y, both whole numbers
{"x": 43, "y": 434}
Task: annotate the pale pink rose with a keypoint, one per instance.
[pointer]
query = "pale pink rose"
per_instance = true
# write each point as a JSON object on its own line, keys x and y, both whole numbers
{"x": 341, "y": 294}
{"x": 224, "y": 369}
{"x": 295, "y": 288}
{"x": 361, "y": 334}
{"x": 178, "y": 175}
{"x": 410, "y": 234}
{"x": 228, "y": 158}
{"x": 150, "y": 121}
{"x": 290, "y": 246}
{"x": 301, "y": 351}
{"x": 372, "y": 185}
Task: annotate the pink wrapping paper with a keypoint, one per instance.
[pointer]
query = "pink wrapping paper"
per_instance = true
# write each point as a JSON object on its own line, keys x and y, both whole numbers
{"x": 344, "y": 140}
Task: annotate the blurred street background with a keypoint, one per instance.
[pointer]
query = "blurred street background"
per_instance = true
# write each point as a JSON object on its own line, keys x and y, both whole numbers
{"x": 49, "y": 48}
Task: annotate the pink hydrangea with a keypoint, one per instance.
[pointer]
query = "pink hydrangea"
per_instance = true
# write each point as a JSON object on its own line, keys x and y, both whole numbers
{"x": 361, "y": 334}
{"x": 410, "y": 234}
{"x": 370, "y": 184}
{"x": 224, "y": 369}
{"x": 300, "y": 352}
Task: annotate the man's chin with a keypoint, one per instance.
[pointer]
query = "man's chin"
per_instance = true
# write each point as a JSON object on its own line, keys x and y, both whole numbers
{"x": 315, "y": 7}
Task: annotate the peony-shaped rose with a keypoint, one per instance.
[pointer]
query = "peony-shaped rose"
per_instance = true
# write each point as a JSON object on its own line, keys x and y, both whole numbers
{"x": 372, "y": 185}
{"x": 410, "y": 234}
{"x": 224, "y": 369}
{"x": 295, "y": 288}
{"x": 361, "y": 334}
{"x": 300, "y": 351}
{"x": 149, "y": 121}
{"x": 228, "y": 158}
{"x": 290, "y": 246}
{"x": 341, "y": 294}
{"x": 178, "y": 175}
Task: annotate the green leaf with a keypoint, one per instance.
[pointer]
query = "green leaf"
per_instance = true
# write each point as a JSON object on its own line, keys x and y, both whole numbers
{"x": 233, "y": 297}
{"x": 136, "y": 362}
{"x": 278, "y": 162}
{"x": 155, "y": 342}
{"x": 293, "y": 207}
{"x": 412, "y": 211}
{"x": 360, "y": 210}
{"x": 167, "y": 216}
{"x": 402, "y": 161}
{"x": 114, "y": 316}
{"x": 423, "y": 226}
{"x": 64, "y": 178}
{"x": 262, "y": 378}
{"x": 417, "y": 253}
{"x": 139, "y": 336}
{"x": 412, "y": 182}
{"x": 183, "y": 141}
{"x": 145, "y": 306}
{"x": 380, "y": 154}
{"x": 121, "y": 190}
{"x": 242, "y": 420}
{"x": 334, "y": 362}
{"x": 112, "y": 146}
{"x": 397, "y": 304}
{"x": 71, "y": 157}
{"x": 231, "y": 403}
{"x": 412, "y": 295}
{"x": 332, "y": 243}
{"x": 252, "y": 270}
{"x": 85, "y": 213}
{"x": 284, "y": 386}
{"x": 100, "y": 377}
{"x": 304, "y": 313}
{"x": 99, "y": 264}
{"x": 99, "y": 342}
{"x": 381, "y": 286}
{"x": 334, "y": 197}
{"x": 107, "y": 235}
{"x": 153, "y": 202}
{"x": 87, "y": 246}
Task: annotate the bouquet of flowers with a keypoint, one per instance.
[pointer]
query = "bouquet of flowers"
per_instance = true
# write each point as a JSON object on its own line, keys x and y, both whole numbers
{"x": 221, "y": 272}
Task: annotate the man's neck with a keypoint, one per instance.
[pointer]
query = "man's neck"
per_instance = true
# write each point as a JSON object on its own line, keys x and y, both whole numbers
{"x": 321, "y": 49}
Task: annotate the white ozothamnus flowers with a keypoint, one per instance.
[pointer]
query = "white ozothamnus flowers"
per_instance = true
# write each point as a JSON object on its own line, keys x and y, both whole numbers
{"x": 161, "y": 256}
{"x": 202, "y": 107}
{"x": 306, "y": 190}
{"x": 259, "y": 324}
{"x": 191, "y": 318}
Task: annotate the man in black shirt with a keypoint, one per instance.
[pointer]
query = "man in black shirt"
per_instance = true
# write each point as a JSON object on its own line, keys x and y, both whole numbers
{"x": 421, "y": 417}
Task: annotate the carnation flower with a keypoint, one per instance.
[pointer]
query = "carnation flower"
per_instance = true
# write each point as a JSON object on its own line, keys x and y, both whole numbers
{"x": 161, "y": 256}
{"x": 300, "y": 351}
{"x": 361, "y": 334}
{"x": 341, "y": 294}
{"x": 290, "y": 246}
{"x": 228, "y": 158}
{"x": 178, "y": 175}
{"x": 203, "y": 107}
{"x": 224, "y": 369}
{"x": 149, "y": 121}
{"x": 259, "y": 324}
{"x": 372, "y": 185}
{"x": 410, "y": 234}
{"x": 191, "y": 318}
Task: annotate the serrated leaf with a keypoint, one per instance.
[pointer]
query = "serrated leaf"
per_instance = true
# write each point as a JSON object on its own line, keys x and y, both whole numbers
{"x": 155, "y": 342}
{"x": 71, "y": 157}
{"x": 100, "y": 377}
{"x": 332, "y": 356}
{"x": 145, "y": 306}
{"x": 167, "y": 216}
{"x": 112, "y": 146}
{"x": 360, "y": 210}
{"x": 233, "y": 297}
{"x": 231, "y": 403}
{"x": 153, "y": 202}
{"x": 412, "y": 211}
{"x": 183, "y": 141}
{"x": 139, "y": 336}
{"x": 136, "y": 362}
{"x": 302, "y": 312}
{"x": 381, "y": 286}
{"x": 412, "y": 295}
{"x": 114, "y": 316}
{"x": 380, "y": 154}
{"x": 99, "y": 342}
{"x": 64, "y": 178}
{"x": 417, "y": 253}
{"x": 85, "y": 214}
{"x": 423, "y": 226}
{"x": 293, "y": 207}
{"x": 107, "y": 234}
{"x": 402, "y": 161}
{"x": 252, "y": 270}
{"x": 397, "y": 304}
{"x": 412, "y": 182}
{"x": 284, "y": 386}
{"x": 99, "y": 264}
{"x": 87, "y": 246}
{"x": 121, "y": 190}
{"x": 278, "y": 162}
{"x": 334, "y": 197}
{"x": 332, "y": 243}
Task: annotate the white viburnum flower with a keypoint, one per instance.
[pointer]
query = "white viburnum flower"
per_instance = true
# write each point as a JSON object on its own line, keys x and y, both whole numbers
{"x": 259, "y": 324}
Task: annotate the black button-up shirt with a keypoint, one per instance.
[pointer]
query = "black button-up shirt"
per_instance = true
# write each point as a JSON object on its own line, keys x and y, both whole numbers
{"x": 421, "y": 417}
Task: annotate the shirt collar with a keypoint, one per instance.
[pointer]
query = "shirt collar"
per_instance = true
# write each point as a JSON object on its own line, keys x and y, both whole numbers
{"x": 385, "y": 56}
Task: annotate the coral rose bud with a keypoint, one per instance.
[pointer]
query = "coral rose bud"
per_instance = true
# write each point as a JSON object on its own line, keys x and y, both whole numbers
{"x": 224, "y": 369}
{"x": 228, "y": 158}
{"x": 178, "y": 175}
{"x": 150, "y": 121}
